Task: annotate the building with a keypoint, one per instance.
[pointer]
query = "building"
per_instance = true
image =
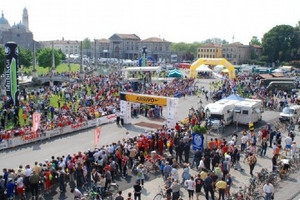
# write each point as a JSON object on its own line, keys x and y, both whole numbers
{"x": 18, "y": 33}
{"x": 124, "y": 46}
{"x": 209, "y": 51}
{"x": 157, "y": 48}
{"x": 68, "y": 47}
{"x": 102, "y": 48}
{"x": 120, "y": 46}
{"x": 238, "y": 54}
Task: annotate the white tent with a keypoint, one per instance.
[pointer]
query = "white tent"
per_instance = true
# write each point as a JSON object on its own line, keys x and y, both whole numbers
{"x": 218, "y": 68}
{"x": 203, "y": 68}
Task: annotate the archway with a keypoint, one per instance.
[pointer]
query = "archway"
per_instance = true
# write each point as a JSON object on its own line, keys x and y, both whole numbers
{"x": 171, "y": 103}
{"x": 212, "y": 61}
{"x": 117, "y": 52}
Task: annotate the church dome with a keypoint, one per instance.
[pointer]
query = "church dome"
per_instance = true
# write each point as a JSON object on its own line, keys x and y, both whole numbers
{"x": 4, "y": 25}
{"x": 19, "y": 26}
{"x": 3, "y": 20}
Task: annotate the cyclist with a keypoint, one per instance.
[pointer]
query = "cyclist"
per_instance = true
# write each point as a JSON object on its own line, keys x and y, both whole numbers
{"x": 77, "y": 194}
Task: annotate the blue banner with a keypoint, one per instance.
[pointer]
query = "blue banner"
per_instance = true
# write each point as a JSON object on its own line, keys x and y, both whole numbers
{"x": 198, "y": 140}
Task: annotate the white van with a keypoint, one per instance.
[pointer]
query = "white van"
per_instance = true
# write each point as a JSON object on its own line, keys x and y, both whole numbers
{"x": 290, "y": 112}
{"x": 220, "y": 110}
{"x": 248, "y": 111}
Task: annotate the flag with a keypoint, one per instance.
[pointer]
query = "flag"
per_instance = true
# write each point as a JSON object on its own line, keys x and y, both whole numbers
{"x": 36, "y": 120}
{"x": 97, "y": 136}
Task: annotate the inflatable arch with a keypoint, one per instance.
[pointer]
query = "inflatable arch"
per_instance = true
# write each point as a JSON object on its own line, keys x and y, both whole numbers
{"x": 212, "y": 61}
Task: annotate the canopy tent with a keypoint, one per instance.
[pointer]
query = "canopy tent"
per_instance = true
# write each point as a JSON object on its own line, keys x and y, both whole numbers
{"x": 234, "y": 97}
{"x": 218, "y": 68}
{"x": 175, "y": 73}
{"x": 203, "y": 68}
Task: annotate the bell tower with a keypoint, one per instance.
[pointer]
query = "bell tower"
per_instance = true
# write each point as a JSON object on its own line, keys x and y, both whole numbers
{"x": 25, "y": 20}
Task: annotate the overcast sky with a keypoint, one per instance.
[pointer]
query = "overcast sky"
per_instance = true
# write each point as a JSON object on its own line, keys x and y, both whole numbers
{"x": 173, "y": 20}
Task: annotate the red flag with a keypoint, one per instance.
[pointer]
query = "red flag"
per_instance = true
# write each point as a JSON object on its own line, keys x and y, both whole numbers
{"x": 97, "y": 136}
{"x": 36, "y": 120}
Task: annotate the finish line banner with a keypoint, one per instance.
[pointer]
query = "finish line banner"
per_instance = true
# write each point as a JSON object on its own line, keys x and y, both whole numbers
{"x": 11, "y": 72}
{"x": 145, "y": 99}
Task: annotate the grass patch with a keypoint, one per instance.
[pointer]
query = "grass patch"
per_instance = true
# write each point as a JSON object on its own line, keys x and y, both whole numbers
{"x": 60, "y": 68}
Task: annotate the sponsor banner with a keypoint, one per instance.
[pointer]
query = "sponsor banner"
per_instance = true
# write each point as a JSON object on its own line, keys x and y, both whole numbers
{"x": 54, "y": 132}
{"x": 29, "y": 138}
{"x": 92, "y": 123}
{"x": 198, "y": 140}
{"x": 4, "y": 144}
{"x": 106, "y": 119}
{"x": 17, "y": 141}
{"x": 145, "y": 99}
{"x": 11, "y": 72}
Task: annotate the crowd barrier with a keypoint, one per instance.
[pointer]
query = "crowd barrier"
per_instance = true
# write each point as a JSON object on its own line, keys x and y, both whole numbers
{"x": 21, "y": 140}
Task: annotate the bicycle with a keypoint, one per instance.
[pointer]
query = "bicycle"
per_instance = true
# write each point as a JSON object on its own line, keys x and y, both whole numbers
{"x": 160, "y": 195}
{"x": 111, "y": 194}
{"x": 91, "y": 194}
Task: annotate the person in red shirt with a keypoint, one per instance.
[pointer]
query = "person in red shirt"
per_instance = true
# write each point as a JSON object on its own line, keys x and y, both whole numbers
{"x": 160, "y": 145}
{"x": 177, "y": 127}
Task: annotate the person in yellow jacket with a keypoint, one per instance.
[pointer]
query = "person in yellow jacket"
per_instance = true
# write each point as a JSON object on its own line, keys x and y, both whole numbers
{"x": 251, "y": 126}
{"x": 221, "y": 185}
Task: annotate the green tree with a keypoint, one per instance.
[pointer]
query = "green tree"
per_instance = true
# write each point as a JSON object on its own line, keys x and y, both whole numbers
{"x": 44, "y": 57}
{"x": 279, "y": 42}
{"x": 180, "y": 47}
{"x": 25, "y": 57}
{"x": 62, "y": 55}
{"x": 217, "y": 41}
{"x": 2, "y": 60}
{"x": 86, "y": 46}
{"x": 255, "y": 41}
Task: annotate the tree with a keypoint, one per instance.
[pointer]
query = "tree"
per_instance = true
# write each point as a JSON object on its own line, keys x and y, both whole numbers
{"x": 279, "y": 42}
{"x": 2, "y": 60}
{"x": 217, "y": 41}
{"x": 62, "y": 55}
{"x": 86, "y": 46}
{"x": 25, "y": 57}
{"x": 44, "y": 57}
{"x": 255, "y": 41}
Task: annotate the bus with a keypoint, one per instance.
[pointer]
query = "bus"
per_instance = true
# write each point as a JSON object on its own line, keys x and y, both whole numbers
{"x": 286, "y": 86}
{"x": 267, "y": 81}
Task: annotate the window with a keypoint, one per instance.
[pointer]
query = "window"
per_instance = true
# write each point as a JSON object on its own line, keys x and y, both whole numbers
{"x": 18, "y": 35}
{"x": 245, "y": 112}
{"x": 160, "y": 48}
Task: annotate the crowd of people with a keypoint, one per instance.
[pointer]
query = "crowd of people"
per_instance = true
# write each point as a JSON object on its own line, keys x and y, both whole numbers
{"x": 87, "y": 98}
{"x": 101, "y": 167}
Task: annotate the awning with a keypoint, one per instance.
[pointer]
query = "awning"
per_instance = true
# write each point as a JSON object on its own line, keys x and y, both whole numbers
{"x": 278, "y": 74}
{"x": 265, "y": 76}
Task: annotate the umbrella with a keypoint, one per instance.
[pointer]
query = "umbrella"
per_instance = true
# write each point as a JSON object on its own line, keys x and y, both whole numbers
{"x": 175, "y": 73}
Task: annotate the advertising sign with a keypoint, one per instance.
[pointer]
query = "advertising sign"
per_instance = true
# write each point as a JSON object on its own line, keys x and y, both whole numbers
{"x": 145, "y": 99}
{"x": 198, "y": 140}
{"x": 11, "y": 72}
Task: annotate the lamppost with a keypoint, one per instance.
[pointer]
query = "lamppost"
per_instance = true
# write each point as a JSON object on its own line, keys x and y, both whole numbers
{"x": 53, "y": 65}
{"x": 81, "y": 58}
{"x": 95, "y": 54}
{"x": 207, "y": 115}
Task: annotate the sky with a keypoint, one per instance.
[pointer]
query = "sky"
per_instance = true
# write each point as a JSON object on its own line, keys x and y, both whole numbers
{"x": 173, "y": 20}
